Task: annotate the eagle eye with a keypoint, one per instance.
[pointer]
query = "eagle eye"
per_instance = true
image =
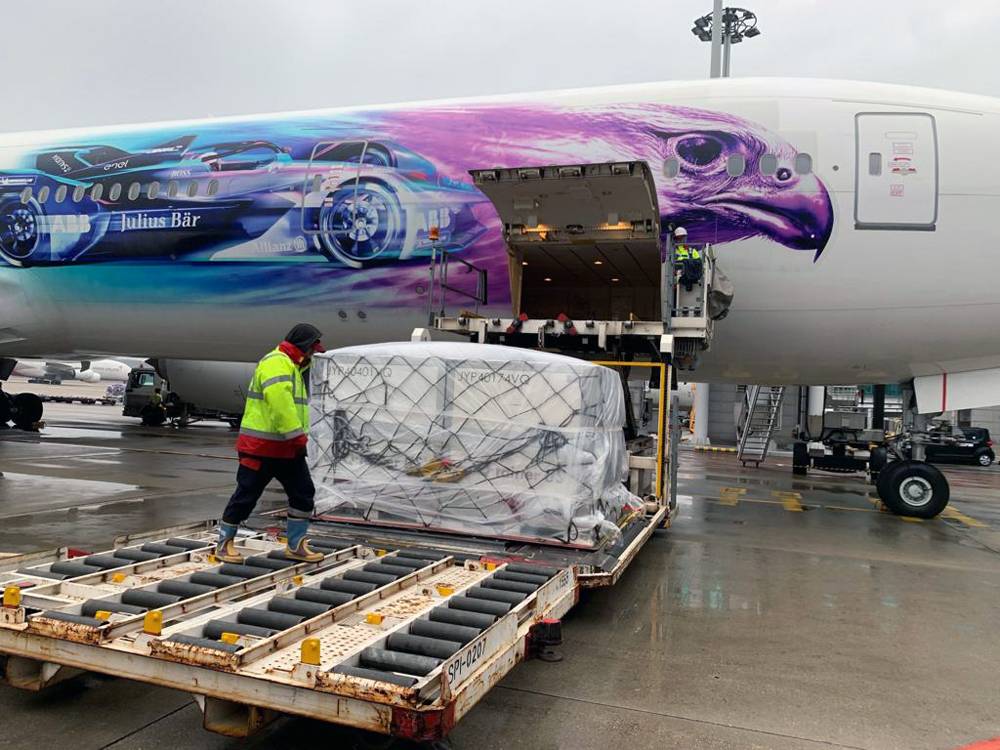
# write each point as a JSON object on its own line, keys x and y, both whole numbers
{"x": 699, "y": 150}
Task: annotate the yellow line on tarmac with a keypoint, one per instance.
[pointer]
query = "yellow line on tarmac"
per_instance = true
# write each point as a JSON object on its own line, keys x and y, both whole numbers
{"x": 910, "y": 519}
{"x": 731, "y": 495}
{"x": 791, "y": 500}
{"x": 957, "y": 515}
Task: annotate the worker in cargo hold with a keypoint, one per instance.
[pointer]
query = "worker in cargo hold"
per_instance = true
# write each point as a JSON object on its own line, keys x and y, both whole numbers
{"x": 272, "y": 444}
{"x": 687, "y": 259}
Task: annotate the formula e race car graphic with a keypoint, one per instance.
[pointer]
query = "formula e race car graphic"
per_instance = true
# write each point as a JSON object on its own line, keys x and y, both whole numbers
{"x": 352, "y": 202}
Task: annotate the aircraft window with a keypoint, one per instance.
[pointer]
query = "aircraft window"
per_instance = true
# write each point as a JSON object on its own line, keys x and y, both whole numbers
{"x": 213, "y": 187}
{"x": 96, "y": 192}
{"x": 60, "y": 195}
{"x": 736, "y": 165}
{"x": 172, "y": 188}
{"x": 769, "y": 164}
{"x": 133, "y": 191}
{"x": 803, "y": 164}
{"x": 115, "y": 192}
{"x": 153, "y": 190}
{"x": 78, "y": 192}
{"x": 192, "y": 190}
{"x": 671, "y": 167}
{"x": 874, "y": 164}
{"x": 43, "y": 193}
{"x": 26, "y": 195}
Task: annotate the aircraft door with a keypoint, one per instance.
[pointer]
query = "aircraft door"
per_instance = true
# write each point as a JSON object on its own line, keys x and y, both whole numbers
{"x": 896, "y": 171}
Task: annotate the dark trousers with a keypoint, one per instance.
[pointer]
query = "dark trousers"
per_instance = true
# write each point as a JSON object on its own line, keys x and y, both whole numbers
{"x": 690, "y": 272}
{"x": 256, "y": 473}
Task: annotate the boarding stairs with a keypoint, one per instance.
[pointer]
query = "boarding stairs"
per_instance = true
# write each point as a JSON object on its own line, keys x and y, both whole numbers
{"x": 759, "y": 417}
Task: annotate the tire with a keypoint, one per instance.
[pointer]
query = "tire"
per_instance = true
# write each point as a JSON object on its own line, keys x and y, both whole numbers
{"x": 361, "y": 224}
{"x": 5, "y": 409}
{"x": 877, "y": 460}
{"x": 800, "y": 459}
{"x": 916, "y": 489}
{"x": 884, "y": 475}
{"x": 26, "y": 410}
{"x": 21, "y": 238}
{"x": 983, "y": 458}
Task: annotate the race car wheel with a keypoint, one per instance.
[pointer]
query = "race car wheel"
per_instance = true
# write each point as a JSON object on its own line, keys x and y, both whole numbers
{"x": 359, "y": 224}
{"x": 917, "y": 489}
{"x": 20, "y": 234}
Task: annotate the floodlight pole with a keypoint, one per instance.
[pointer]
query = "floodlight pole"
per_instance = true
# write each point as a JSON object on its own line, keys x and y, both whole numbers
{"x": 726, "y": 49}
{"x": 717, "y": 41}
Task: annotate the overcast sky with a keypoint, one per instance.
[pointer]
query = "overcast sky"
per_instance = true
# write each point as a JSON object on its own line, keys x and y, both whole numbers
{"x": 70, "y": 63}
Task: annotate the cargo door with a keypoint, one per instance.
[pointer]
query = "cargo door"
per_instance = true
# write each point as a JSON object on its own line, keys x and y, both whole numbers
{"x": 896, "y": 177}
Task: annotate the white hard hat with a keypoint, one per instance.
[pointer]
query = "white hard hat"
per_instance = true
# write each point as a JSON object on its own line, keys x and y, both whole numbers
{"x": 680, "y": 232}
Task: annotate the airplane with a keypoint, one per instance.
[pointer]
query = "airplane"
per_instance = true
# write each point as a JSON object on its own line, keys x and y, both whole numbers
{"x": 855, "y": 221}
{"x": 86, "y": 372}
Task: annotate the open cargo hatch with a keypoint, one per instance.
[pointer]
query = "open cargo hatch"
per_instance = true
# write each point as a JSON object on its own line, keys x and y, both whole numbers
{"x": 584, "y": 238}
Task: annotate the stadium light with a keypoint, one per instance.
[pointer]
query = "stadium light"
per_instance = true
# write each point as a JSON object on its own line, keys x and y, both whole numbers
{"x": 735, "y": 25}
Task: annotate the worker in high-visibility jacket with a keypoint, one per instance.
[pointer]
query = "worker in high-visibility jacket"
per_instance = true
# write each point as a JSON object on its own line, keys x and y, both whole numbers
{"x": 687, "y": 259}
{"x": 272, "y": 444}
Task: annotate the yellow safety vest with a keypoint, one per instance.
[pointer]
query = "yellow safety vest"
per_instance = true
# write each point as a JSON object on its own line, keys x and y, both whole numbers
{"x": 681, "y": 252}
{"x": 277, "y": 404}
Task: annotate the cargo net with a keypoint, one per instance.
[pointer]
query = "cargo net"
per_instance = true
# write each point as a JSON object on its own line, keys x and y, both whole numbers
{"x": 479, "y": 439}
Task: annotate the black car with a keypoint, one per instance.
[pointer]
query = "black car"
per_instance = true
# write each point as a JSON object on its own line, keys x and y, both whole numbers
{"x": 960, "y": 445}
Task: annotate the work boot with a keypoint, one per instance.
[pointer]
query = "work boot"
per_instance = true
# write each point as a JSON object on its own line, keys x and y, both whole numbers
{"x": 225, "y": 548}
{"x": 298, "y": 547}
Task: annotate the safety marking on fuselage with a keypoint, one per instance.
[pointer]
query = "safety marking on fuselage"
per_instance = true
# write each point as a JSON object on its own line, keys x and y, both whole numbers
{"x": 731, "y": 495}
{"x": 792, "y": 501}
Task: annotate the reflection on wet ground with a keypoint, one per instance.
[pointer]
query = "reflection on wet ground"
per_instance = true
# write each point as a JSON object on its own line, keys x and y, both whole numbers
{"x": 777, "y": 612}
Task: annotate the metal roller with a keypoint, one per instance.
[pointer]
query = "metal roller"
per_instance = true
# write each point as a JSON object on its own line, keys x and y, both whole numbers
{"x": 40, "y": 573}
{"x": 520, "y": 588}
{"x": 270, "y": 563}
{"x": 503, "y": 575}
{"x": 105, "y": 562}
{"x": 397, "y": 661}
{"x": 215, "y": 628}
{"x": 241, "y": 571}
{"x": 150, "y": 599}
{"x": 385, "y": 570}
{"x": 333, "y": 598}
{"x": 443, "y": 631}
{"x": 348, "y": 587}
{"x": 231, "y": 648}
{"x": 419, "y": 554}
{"x": 400, "y": 562}
{"x": 459, "y": 617}
{"x": 93, "y": 606}
{"x": 214, "y": 580}
{"x": 422, "y": 645}
{"x": 161, "y": 550}
{"x": 73, "y": 569}
{"x": 496, "y": 595}
{"x": 376, "y": 675}
{"x": 188, "y": 544}
{"x": 378, "y": 579}
{"x": 135, "y": 555}
{"x": 183, "y": 589}
{"x": 78, "y": 619}
{"x": 532, "y": 570}
{"x": 318, "y": 541}
{"x": 297, "y": 607}
{"x": 264, "y": 618}
{"x": 482, "y": 606}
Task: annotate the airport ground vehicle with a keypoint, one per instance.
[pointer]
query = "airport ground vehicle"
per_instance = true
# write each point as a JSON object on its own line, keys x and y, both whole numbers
{"x": 948, "y": 444}
{"x": 148, "y": 396}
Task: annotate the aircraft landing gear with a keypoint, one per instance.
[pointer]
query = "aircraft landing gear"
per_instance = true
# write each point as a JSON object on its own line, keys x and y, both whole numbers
{"x": 913, "y": 488}
{"x": 23, "y": 409}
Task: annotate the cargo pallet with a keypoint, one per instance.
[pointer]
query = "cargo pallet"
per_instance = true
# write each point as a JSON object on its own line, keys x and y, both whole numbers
{"x": 402, "y": 639}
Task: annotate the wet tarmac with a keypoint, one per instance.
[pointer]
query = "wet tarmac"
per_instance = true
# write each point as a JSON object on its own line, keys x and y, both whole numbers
{"x": 778, "y": 612}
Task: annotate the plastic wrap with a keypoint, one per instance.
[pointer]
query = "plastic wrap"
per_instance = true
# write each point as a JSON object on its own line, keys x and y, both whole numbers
{"x": 480, "y": 439}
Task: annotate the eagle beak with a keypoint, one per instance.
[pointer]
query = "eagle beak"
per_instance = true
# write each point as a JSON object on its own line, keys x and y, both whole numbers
{"x": 799, "y": 216}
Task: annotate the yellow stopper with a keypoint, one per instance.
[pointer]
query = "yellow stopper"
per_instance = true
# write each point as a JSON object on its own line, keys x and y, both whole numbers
{"x": 212, "y": 558}
{"x": 374, "y": 618}
{"x": 229, "y": 638}
{"x": 102, "y": 614}
{"x": 152, "y": 623}
{"x": 118, "y": 577}
{"x": 444, "y": 590}
{"x": 12, "y": 596}
{"x": 380, "y": 553}
{"x": 297, "y": 580}
{"x": 491, "y": 565}
{"x": 310, "y": 651}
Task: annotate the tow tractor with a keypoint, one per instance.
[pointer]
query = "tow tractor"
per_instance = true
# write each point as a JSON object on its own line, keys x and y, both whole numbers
{"x": 396, "y": 630}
